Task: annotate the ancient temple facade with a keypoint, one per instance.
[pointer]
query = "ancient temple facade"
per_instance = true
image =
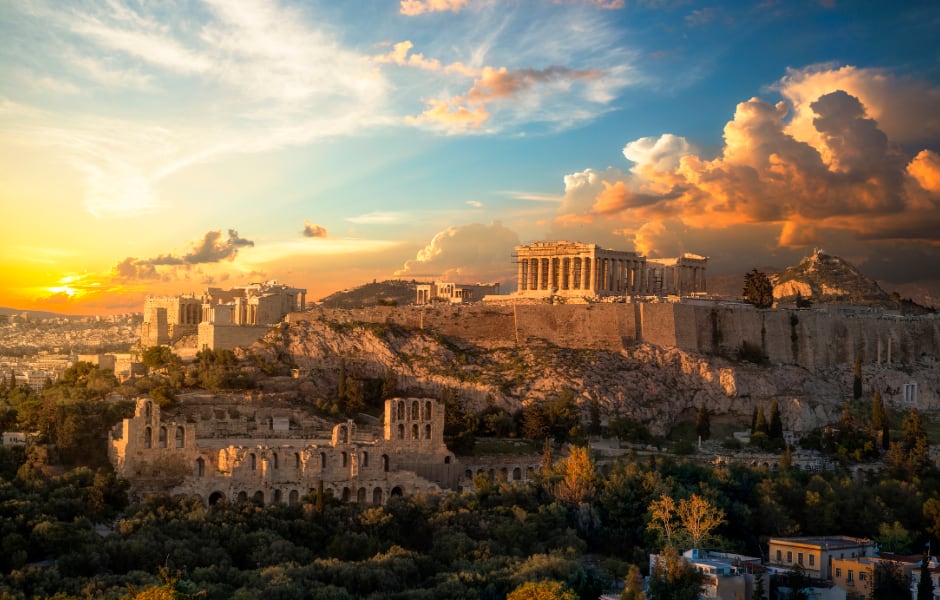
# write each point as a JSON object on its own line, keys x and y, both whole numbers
{"x": 575, "y": 269}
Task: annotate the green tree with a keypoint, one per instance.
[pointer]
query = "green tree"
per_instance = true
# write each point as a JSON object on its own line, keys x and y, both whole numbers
{"x": 760, "y": 590}
{"x": 889, "y": 582}
{"x": 633, "y": 585}
{"x": 673, "y": 578}
{"x": 159, "y": 357}
{"x": 578, "y": 477}
{"x": 699, "y": 518}
{"x": 542, "y": 590}
{"x": 703, "y": 427}
{"x": 758, "y": 290}
{"x": 894, "y": 537}
{"x": 760, "y": 422}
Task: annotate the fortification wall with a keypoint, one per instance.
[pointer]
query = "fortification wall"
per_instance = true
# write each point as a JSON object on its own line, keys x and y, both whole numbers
{"x": 811, "y": 338}
{"x": 227, "y": 337}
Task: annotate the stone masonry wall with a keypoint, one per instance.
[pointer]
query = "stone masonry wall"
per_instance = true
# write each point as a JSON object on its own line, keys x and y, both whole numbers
{"x": 811, "y": 338}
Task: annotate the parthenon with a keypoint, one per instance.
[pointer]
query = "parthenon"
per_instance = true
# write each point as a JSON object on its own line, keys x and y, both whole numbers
{"x": 576, "y": 269}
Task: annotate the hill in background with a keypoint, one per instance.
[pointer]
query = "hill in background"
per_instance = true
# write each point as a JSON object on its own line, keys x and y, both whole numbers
{"x": 395, "y": 292}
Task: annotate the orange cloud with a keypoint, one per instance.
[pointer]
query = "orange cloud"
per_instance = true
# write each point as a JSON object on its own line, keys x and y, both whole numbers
{"x": 452, "y": 115}
{"x": 470, "y": 110}
{"x": 313, "y": 231}
{"x": 400, "y": 54}
{"x": 846, "y": 175}
{"x": 413, "y": 8}
{"x": 925, "y": 169}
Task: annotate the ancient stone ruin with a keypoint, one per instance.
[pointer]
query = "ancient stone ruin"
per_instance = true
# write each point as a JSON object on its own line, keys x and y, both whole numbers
{"x": 231, "y": 453}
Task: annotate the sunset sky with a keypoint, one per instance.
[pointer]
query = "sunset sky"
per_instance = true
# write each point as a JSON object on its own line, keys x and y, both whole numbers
{"x": 163, "y": 147}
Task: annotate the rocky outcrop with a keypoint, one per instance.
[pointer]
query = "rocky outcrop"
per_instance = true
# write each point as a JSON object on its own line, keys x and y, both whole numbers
{"x": 657, "y": 385}
{"x": 829, "y": 279}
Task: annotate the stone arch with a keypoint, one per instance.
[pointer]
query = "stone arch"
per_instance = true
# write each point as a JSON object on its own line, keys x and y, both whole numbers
{"x": 517, "y": 474}
{"x": 427, "y": 410}
{"x": 161, "y": 438}
{"x": 343, "y": 436}
{"x": 323, "y": 460}
{"x": 365, "y": 459}
{"x": 529, "y": 472}
{"x": 148, "y": 437}
{"x": 361, "y": 495}
{"x": 216, "y": 497}
{"x": 427, "y": 431}
{"x": 414, "y": 410}
{"x": 180, "y": 437}
{"x": 296, "y": 460}
{"x": 401, "y": 431}
{"x": 346, "y": 494}
{"x": 148, "y": 410}
{"x": 277, "y": 497}
{"x": 199, "y": 468}
{"x": 385, "y": 463}
{"x": 468, "y": 474}
{"x": 492, "y": 474}
{"x": 396, "y": 492}
{"x": 293, "y": 497}
{"x": 377, "y": 496}
{"x": 481, "y": 472}
{"x": 274, "y": 460}
{"x": 503, "y": 474}
{"x": 242, "y": 496}
{"x": 258, "y": 497}
{"x": 252, "y": 461}
{"x": 345, "y": 459}
{"x": 414, "y": 431}
{"x": 401, "y": 410}
{"x": 447, "y": 459}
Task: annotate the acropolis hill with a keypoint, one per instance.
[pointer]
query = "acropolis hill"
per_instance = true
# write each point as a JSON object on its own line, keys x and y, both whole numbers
{"x": 653, "y": 356}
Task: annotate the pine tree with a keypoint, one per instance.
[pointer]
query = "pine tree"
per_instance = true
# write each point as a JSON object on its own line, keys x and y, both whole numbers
{"x": 758, "y": 290}
{"x": 633, "y": 585}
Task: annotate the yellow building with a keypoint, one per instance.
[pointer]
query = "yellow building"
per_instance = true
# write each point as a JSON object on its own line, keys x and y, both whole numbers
{"x": 816, "y": 554}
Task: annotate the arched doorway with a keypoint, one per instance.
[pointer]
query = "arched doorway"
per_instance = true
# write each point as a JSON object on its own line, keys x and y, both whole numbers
{"x": 377, "y": 496}
{"x": 396, "y": 492}
{"x": 215, "y": 498}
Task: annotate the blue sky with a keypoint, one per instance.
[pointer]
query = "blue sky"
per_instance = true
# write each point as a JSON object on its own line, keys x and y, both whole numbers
{"x": 164, "y": 147}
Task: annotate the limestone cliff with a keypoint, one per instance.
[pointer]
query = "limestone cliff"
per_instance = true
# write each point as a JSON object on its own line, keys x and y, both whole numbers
{"x": 658, "y": 385}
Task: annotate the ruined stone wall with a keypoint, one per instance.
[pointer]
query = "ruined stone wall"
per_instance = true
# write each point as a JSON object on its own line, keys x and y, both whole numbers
{"x": 167, "y": 456}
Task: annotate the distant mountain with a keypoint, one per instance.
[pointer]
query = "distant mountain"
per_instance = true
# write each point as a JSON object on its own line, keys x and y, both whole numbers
{"x": 393, "y": 291}
{"x": 37, "y": 314}
{"x": 824, "y": 278}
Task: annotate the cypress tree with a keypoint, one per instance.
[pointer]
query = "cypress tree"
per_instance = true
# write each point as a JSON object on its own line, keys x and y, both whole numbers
{"x": 857, "y": 380}
{"x": 925, "y": 585}
{"x": 760, "y": 422}
{"x": 775, "y": 431}
{"x": 703, "y": 427}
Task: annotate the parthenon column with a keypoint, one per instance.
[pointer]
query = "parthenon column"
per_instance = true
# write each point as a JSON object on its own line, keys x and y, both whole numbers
{"x": 522, "y": 274}
{"x": 586, "y": 279}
